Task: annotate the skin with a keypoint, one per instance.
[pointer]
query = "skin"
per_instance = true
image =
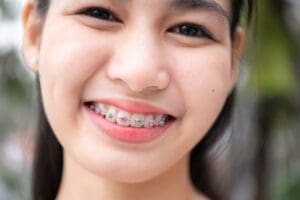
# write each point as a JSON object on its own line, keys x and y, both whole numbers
{"x": 138, "y": 59}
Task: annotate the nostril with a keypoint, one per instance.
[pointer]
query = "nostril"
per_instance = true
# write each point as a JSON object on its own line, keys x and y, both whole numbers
{"x": 138, "y": 74}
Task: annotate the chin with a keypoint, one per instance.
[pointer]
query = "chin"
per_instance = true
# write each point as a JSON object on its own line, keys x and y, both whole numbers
{"x": 129, "y": 170}
{"x": 132, "y": 176}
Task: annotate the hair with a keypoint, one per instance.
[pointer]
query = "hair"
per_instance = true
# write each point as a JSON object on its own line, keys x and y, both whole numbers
{"x": 48, "y": 158}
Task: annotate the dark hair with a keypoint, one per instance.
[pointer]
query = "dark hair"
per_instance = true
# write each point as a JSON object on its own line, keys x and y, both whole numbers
{"x": 48, "y": 159}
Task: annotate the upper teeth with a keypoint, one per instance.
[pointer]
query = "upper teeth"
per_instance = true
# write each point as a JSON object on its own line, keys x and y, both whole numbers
{"x": 124, "y": 118}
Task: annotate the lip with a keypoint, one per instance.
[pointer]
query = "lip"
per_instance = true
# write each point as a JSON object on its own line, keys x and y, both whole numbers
{"x": 134, "y": 106}
{"x": 128, "y": 134}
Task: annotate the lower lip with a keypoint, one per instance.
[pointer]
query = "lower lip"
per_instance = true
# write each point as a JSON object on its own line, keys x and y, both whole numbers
{"x": 127, "y": 134}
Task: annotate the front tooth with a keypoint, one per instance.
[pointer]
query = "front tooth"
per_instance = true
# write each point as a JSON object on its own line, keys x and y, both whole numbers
{"x": 137, "y": 120}
{"x": 160, "y": 120}
{"x": 111, "y": 114}
{"x": 149, "y": 121}
{"x": 123, "y": 118}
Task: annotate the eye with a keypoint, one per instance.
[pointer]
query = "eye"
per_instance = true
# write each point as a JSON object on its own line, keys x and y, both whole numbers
{"x": 191, "y": 30}
{"x": 100, "y": 13}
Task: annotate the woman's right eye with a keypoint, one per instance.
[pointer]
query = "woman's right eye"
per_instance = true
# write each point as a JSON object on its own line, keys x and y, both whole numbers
{"x": 100, "y": 13}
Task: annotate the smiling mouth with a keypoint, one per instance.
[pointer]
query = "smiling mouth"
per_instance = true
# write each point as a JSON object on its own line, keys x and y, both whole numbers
{"x": 126, "y": 119}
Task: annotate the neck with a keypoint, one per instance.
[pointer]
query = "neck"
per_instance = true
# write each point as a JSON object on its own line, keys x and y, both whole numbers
{"x": 78, "y": 183}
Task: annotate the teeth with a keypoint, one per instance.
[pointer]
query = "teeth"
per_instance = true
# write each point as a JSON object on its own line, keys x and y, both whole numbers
{"x": 126, "y": 119}
{"x": 93, "y": 107}
{"x": 111, "y": 114}
{"x": 149, "y": 121}
{"x": 137, "y": 120}
{"x": 160, "y": 120}
{"x": 123, "y": 118}
{"x": 103, "y": 109}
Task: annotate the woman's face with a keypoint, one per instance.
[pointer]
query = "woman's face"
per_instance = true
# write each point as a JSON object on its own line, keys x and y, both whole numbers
{"x": 161, "y": 69}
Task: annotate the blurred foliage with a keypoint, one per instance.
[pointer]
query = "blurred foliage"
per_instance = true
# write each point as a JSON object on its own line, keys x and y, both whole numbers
{"x": 15, "y": 112}
{"x": 288, "y": 189}
{"x": 273, "y": 70}
{"x": 16, "y": 90}
{"x": 6, "y": 11}
{"x": 275, "y": 81}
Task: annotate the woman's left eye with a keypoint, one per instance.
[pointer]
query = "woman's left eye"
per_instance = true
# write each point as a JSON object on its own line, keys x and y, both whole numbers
{"x": 100, "y": 13}
{"x": 191, "y": 30}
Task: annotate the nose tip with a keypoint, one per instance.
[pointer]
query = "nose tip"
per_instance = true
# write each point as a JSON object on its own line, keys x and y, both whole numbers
{"x": 147, "y": 81}
{"x": 139, "y": 64}
{"x": 139, "y": 79}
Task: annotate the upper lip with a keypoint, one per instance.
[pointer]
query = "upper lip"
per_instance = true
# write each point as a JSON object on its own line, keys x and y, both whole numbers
{"x": 134, "y": 106}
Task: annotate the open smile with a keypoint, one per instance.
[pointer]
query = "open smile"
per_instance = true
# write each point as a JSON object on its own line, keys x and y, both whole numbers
{"x": 126, "y": 126}
{"x": 126, "y": 119}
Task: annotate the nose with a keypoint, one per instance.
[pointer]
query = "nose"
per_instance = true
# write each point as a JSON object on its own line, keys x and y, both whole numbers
{"x": 138, "y": 63}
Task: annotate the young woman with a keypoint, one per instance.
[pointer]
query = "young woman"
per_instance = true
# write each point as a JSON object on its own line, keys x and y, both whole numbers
{"x": 131, "y": 94}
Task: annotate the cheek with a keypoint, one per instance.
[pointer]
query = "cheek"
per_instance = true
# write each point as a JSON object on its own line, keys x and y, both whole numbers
{"x": 204, "y": 79}
{"x": 69, "y": 57}
{"x": 203, "y": 75}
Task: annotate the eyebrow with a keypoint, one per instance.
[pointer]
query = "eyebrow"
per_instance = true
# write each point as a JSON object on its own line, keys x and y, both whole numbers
{"x": 210, "y": 5}
{"x": 202, "y": 4}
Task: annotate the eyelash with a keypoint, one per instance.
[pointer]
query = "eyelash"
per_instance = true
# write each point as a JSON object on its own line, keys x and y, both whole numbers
{"x": 191, "y": 30}
{"x": 185, "y": 29}
{"x": 100, "y": 13}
